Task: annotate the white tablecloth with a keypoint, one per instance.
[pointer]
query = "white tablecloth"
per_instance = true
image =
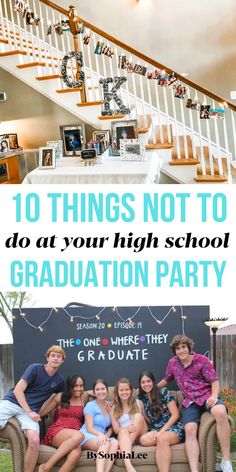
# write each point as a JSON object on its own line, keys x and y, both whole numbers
{"x": 70, "y": 170}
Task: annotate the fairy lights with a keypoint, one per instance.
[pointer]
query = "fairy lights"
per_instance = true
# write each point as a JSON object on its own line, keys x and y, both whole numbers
{"x": 114, "y": 310}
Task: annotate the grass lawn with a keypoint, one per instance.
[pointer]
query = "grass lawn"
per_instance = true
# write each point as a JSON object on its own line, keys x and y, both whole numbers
{"x": 5, "y": 463}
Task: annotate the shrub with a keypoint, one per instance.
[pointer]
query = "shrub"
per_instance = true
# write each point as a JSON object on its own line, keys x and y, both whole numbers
{"x": 229, "y": 396}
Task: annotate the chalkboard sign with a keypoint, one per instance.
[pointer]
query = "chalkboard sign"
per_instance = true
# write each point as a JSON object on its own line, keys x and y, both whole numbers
{"x": 110, "y": 342}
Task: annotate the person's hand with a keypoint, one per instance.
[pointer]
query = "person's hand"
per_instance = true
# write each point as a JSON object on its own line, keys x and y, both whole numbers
{"x": 157, "y": 434}
{"x": 102, "y": 439}
{"x": 211, "y": 401}
{"x": 34, "y": 416}
{"x": 131, "y": 428}
{"x": 109, "y": 406}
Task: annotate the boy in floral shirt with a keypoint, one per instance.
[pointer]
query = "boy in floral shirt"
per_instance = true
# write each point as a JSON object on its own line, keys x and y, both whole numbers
{"x": 199, "y": 385}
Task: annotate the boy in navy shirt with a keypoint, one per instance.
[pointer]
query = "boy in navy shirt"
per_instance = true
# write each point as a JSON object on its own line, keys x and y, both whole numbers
{"x": 36, "y": 385}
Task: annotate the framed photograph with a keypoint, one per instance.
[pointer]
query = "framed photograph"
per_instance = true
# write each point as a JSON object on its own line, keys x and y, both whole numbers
{"x": 4, "y": 143}
{"x": 13, "y": 141}
{"x": 73, "y": 138}
{"x": 58, "y": 146}
{"x": 102, "y": 138}
{"x": 47, "y": 158}
{"x": 205, "y": 112}
{"x": 132, "y": 149}
{"x": 4, "y": 173}
{"x": 125, "y": 129}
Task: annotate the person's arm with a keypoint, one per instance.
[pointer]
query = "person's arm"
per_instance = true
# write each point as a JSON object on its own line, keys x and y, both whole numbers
{"x": 114, "y": 422}
{"x": 85, "y": 398}
{"x": 163, "y": 383}
{"x": 20, "y": 396}
{"x": 89, "y": 421}
{"x": 50, "y": 405}
{"x": 215, "y": 388}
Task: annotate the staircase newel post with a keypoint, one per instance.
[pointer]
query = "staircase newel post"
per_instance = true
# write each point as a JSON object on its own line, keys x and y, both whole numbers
{"x": 74, "y": 28}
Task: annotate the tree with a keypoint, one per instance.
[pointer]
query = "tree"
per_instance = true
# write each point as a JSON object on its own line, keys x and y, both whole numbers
{"x": 8, "y": 301}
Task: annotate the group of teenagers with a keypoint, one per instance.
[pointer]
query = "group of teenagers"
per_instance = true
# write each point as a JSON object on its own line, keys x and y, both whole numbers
{"x": 149, "y": 418}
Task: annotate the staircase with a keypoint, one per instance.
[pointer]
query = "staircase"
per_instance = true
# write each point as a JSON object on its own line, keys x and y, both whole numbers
{"x": 164, "y": 121}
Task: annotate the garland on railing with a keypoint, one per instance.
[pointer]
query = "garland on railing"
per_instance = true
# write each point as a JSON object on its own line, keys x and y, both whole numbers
{"x": 30, "y": 17}
{"x": 163, "y": 78}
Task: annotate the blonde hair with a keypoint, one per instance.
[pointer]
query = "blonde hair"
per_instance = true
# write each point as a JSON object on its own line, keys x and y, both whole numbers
{"x": 117, "y": 404}
{"x": 57, "y": 349}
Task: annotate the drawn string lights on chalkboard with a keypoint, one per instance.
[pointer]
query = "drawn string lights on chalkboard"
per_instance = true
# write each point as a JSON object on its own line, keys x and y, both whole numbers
{"x": 115, "y": 309}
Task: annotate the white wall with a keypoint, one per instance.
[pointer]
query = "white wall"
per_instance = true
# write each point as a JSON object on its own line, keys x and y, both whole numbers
{"x": 31, "y": 115}
{"x": 196, "y": 37}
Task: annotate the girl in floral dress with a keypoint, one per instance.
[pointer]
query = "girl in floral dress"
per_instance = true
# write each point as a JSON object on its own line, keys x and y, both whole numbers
{"x": 162, "y": 415}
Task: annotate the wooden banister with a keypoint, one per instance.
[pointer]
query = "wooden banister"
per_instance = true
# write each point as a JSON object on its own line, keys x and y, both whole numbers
{"x": 143, "y": 57}
{"x": 55, "y": 7}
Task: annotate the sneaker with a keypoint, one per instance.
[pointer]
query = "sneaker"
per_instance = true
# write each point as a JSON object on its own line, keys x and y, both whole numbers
{"x": 226, "y": 466}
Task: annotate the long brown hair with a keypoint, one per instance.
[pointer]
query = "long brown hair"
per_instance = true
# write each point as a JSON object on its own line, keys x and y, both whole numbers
{"x": 117, "y": 404}
{"x": 156, "y": 406}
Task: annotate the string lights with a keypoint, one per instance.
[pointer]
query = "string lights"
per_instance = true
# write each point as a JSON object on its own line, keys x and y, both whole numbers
{"x": 114, "y": 309}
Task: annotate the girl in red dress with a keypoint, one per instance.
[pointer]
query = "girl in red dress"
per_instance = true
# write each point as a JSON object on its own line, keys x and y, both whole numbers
{"x": 64, "y": 433}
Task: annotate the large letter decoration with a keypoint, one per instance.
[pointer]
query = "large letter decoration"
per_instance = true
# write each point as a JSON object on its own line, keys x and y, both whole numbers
{"x": 80, "y": 80}
{"x": 112, "y": 95}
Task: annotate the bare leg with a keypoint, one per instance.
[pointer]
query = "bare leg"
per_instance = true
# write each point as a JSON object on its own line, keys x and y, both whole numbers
{"x": 141, "y": 426}
{"x": 125, "y": 445}
{"x": 92, "y": 444}
{"x": 113, "y": 446}
{"x": 191, "y": 445}
{"x": 222, "y": 429}
{"x": 163, "y": 450}
{"x": 66, "y": 441}
{"x": 31, "y": 455}
{"x": 71, "y": 460}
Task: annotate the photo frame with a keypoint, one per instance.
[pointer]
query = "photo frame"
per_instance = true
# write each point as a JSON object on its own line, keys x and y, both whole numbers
{"x": 102, "y": 138}
{"x": 47, "y": 159}
{"x": 13, "y": 141}
{"x": 125, "y": 129}
{"x": 132, "y": 149}
{"x": 4, "y": 143}
{"x": 58, "y": 146}
{"x": 73, "y": 138}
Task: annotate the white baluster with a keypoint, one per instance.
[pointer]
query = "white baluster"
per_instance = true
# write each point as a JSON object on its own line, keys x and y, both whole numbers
{"x": 142, "y": 99}
{"x": 227, "y": 148}
{"x": 2, "y": 22}
{"x": 41, "y": 26}
{"x": 150, "y": 103}
{"x": 234, "y": 133}
{"x": 158, "y": 113}
{"x": 130, "y": 60}
{"x": 176, "y": 125}
{"x": 211, "y": 162}
{"x": 184, "y": 129}
{"x": 17, "y": 38}
{"x": 7, "y": 26}
{"x": 124, "y": 72}
{"x": 53, "y": 67}
{"x": 167, "y": 114}
{"x": 56, "y": 44}
{"x": 202, "y": 157}
{"x": 37, "y": 35}
{"x": 219, "y": 157}
{"x": 191, "y": 126}
{"x": 90, "y": 68}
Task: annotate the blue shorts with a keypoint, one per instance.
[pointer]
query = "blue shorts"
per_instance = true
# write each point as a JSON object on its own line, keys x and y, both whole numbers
{"x": 193, "y": 413}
